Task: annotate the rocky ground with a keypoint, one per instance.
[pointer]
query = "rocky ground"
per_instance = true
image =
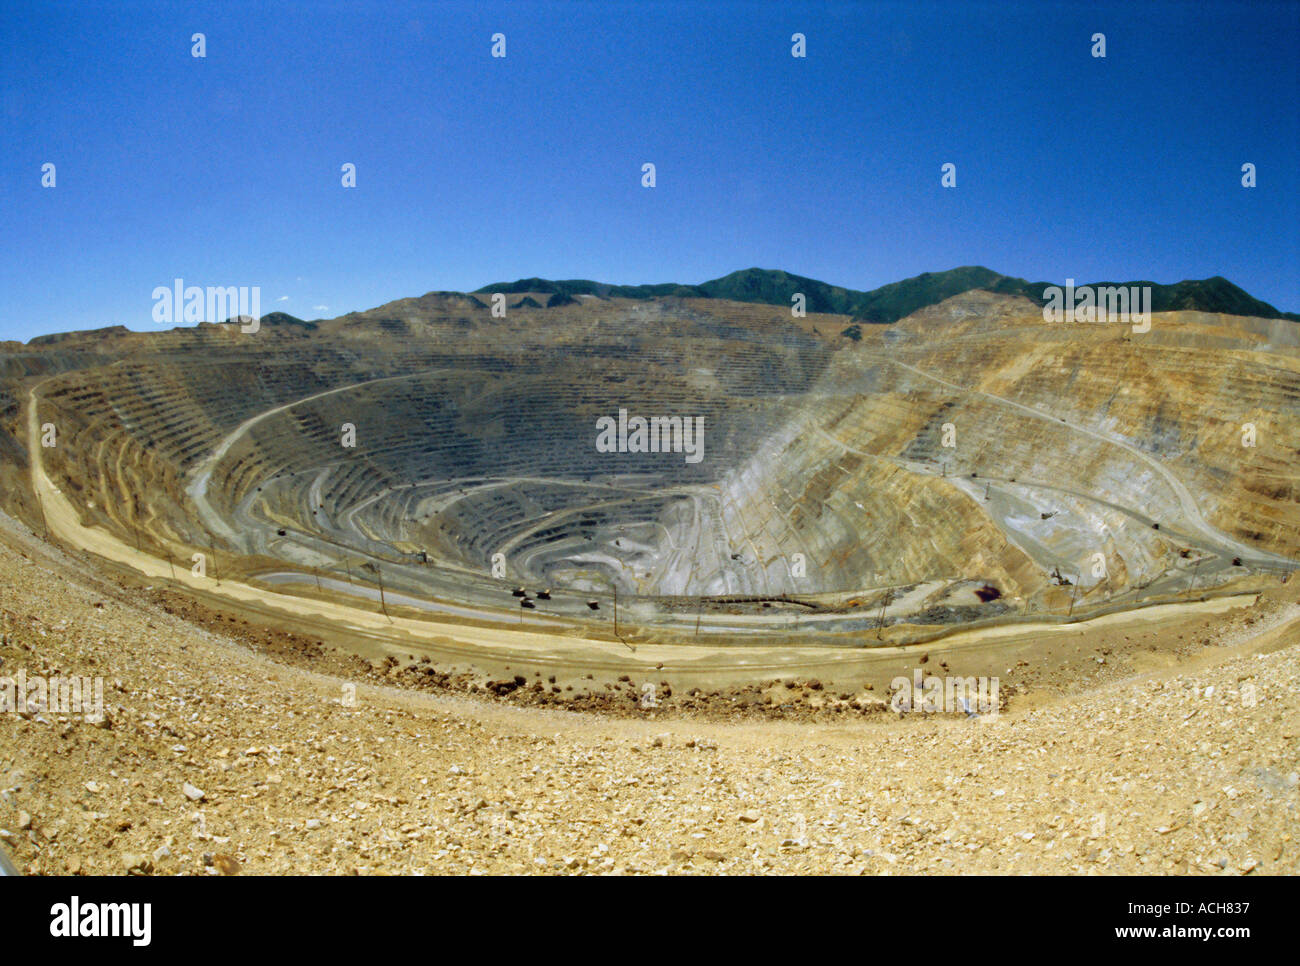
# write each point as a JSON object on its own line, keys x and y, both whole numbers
{"x": 233, "y": 751}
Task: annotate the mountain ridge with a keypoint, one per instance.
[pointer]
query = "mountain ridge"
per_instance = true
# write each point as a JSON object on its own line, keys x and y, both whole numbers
{"x": 880, "y": 306}
{"x": 895, "y": 300}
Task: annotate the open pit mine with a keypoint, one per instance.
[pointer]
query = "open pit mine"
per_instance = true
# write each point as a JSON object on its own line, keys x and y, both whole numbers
{"x": 427, "y": 478}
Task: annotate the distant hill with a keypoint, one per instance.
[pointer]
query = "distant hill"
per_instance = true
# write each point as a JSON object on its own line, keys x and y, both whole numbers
{"x": 777, "y": 288}
{"x": 284, "y": 318}
{"x": 274, "y": 318}
{"x": 582, "y": 286}
{"x": 894, "y": 301}
{"x": 55, "y": 338}
{"x": 1215, "y": 294}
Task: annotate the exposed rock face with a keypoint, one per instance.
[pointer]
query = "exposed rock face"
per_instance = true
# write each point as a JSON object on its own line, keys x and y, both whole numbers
{"x": 969, "y": 461}
{"x": 975, "y": 438}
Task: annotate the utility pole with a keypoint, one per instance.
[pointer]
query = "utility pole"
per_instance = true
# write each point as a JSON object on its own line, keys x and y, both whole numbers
{"x": 382, "y": 603}
{"x": 44, "y": 523}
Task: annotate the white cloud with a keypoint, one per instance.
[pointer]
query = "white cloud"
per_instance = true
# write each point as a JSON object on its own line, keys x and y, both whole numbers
{"x": 283, "y": 298}
{"x": 320, "y": 308}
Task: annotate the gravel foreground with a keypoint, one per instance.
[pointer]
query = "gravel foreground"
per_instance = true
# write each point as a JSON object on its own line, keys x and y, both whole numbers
{"x": 214, "y": 759}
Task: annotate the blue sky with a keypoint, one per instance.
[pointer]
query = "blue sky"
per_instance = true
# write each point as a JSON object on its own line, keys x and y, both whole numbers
{"x": 226, "y": 170}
